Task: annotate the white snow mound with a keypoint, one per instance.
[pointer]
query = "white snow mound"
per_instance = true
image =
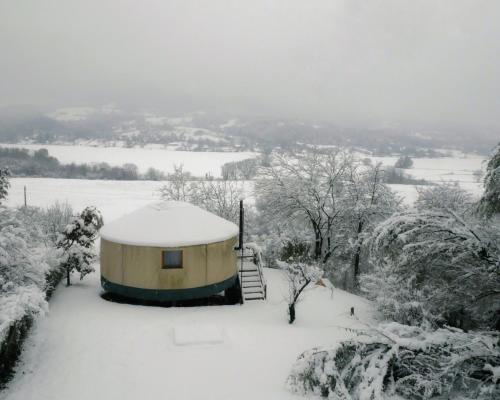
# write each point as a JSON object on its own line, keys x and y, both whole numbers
{"x": 169, "y": 224}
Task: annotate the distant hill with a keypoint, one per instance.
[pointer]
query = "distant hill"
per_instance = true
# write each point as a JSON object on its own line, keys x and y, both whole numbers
{"x": 200, "y": 131}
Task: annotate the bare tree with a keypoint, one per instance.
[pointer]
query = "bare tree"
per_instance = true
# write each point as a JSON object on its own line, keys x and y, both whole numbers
{"x": 219, "y": 197}
{"x": 177, "y": 185}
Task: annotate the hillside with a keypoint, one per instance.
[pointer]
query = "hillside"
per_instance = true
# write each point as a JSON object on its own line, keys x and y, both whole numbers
{"x": 109, "y": 125}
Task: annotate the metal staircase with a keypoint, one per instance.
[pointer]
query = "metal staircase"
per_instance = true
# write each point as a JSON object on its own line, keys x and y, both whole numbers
{"x": 253, "y": 283}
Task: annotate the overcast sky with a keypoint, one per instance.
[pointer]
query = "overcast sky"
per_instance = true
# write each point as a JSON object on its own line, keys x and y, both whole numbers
{"x": 371, "y": 61}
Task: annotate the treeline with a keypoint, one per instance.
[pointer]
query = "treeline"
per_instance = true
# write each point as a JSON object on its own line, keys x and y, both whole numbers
{"x": 22, "y": 162}
{"x": 240, "y": 170}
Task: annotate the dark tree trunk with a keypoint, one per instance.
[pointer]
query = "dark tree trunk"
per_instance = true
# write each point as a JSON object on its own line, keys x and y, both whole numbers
{"x": 356, "y": 263}
{"x": 318, "y": 245}
{"x": 68, "y": 281}
{"x": 291, "y": 313}
{"x": 357, "y": 256}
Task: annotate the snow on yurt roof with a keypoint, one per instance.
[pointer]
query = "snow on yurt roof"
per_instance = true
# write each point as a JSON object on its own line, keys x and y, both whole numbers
{"x": 169, "y": 224}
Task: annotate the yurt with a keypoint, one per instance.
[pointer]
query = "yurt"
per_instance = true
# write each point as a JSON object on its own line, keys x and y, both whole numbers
{"x": 168, "y": 251}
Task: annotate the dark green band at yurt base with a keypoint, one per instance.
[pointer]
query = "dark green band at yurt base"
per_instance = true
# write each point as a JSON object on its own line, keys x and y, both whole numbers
{"x": 167, "y": 294}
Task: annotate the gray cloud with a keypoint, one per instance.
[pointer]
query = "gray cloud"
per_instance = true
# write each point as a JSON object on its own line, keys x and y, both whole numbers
{"x": 380, "y": 61}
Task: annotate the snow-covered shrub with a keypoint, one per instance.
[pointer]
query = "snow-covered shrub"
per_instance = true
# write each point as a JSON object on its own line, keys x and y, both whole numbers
{"x": 436, "y": 267}
{"x": 295, "y": 249}
{"x": 54, "y": 218}
{"x": 409, "y": 362}
{"x": 25, "y": 261}
{"x": 299, "y": 275}
{"x": 77, "y": 241}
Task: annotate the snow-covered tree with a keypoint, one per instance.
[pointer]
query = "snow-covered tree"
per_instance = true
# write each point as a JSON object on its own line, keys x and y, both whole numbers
{"x": 444, "y": 197}
{"x": 77, "y": 241}
{"x": 299, "y": 275}
{"x": 327, "y": 199}
{"x": 489, "y": 204}
{"x": 244, "y": 169}
{"x": 306, "y": 189}
{"x": 4, "y": 183}
{"x": 367, "y": 202}
{"x": 436, "y": 267}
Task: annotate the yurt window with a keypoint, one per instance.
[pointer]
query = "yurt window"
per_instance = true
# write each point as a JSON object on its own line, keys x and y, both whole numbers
{"x": 171, "y": 259}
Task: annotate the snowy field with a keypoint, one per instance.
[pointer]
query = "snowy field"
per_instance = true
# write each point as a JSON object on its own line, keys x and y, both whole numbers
{"x": 112, "y": 198}
{"x": 116, "y": 198}
{"x": 89, "y": 348}
{"x": 198, "y": 163}
{"x": 443, "y": 169}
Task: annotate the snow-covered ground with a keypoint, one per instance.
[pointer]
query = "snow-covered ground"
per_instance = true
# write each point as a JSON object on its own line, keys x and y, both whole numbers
{"x": 89, "y": 348}
{"x": 198, "y": 163}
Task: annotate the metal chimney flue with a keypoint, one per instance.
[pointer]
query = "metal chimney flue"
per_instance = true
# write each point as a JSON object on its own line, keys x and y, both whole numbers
{"x": 242, "y": 226}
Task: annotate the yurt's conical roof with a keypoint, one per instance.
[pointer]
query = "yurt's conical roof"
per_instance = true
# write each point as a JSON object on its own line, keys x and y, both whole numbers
{"x": 169, "y": 224}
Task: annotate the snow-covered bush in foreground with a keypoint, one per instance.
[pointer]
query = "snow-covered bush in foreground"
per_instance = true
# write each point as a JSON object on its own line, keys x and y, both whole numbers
{"x": 402, "y": 361}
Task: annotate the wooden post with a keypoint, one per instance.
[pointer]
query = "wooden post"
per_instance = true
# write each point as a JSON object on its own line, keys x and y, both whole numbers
{"x": 352, "y": 311}
{"x": 25, "y": 203}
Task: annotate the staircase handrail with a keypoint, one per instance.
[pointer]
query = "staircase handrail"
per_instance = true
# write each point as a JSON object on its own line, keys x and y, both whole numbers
{"x": 257, "y": 257}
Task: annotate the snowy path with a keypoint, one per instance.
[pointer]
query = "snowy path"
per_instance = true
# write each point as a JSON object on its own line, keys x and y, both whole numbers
{"x": 88, "y": 348}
